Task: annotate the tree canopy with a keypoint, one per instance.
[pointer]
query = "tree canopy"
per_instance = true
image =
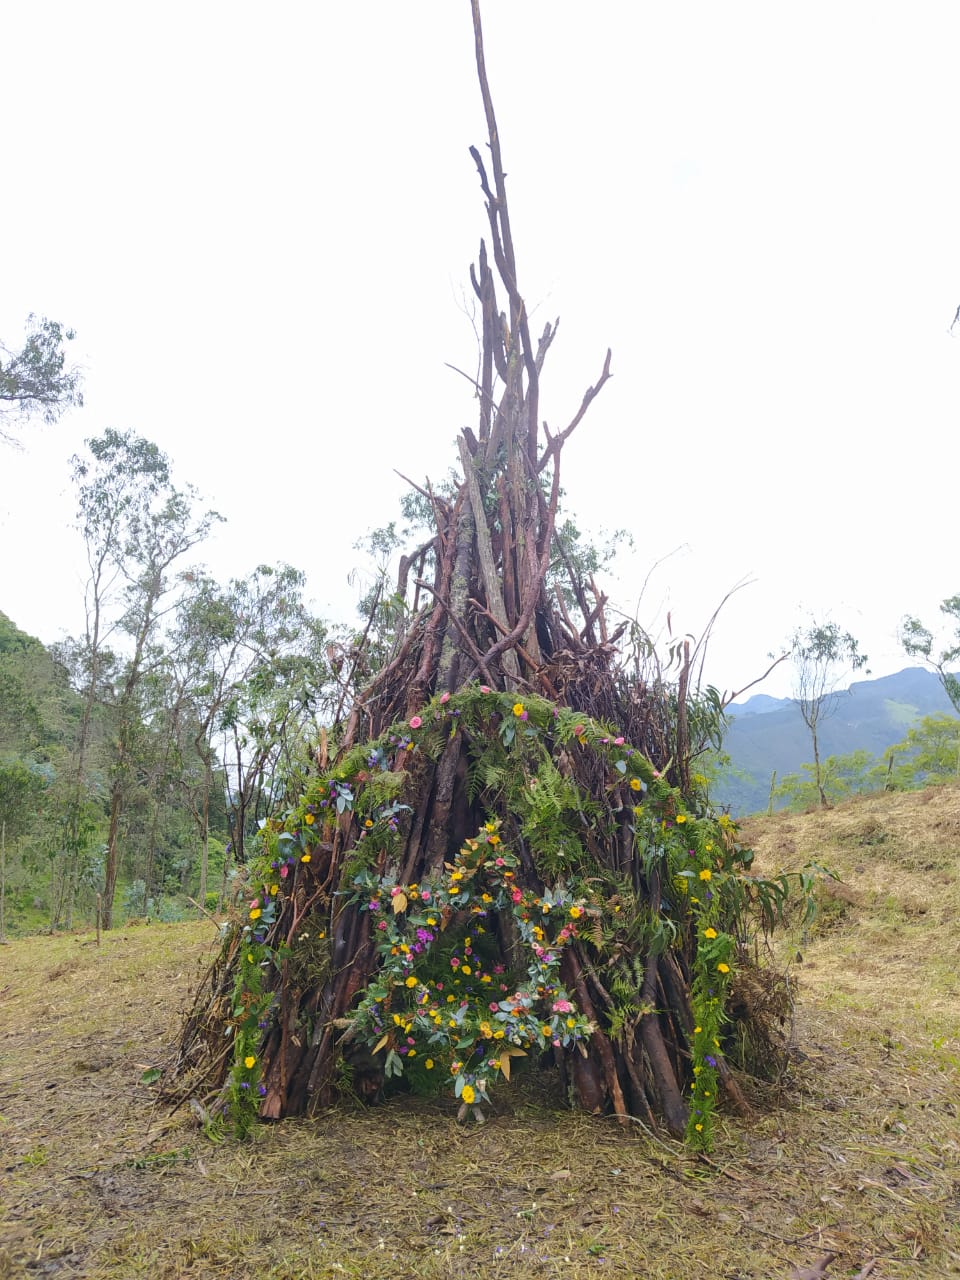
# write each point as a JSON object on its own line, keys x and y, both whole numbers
{"x": 35, "y": 380}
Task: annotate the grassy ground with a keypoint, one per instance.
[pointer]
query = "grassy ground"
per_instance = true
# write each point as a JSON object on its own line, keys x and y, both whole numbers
{"x": 857, "y": 1153}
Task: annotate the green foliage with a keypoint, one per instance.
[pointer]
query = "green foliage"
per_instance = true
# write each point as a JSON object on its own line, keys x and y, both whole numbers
{"x": 36, "y": 380}
{"x": 929, "y": 753}
{"x": 856, "y": 773}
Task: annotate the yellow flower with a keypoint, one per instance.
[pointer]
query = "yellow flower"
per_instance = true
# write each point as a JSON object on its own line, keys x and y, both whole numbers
{"x": 635, "y": 784}
{"x": 368, "y": 823}
{"x": 305, "y": 858}
{"x": 697, "y": 1030}
{"x": 546, "y": 1031}
{"x": 466, "y": 970}
{"x": 486, "y": 1030}
{"x": 412, "y": 1053}
{"x": 575, "y": 913}
{"x": 638, "y": 810}
{"x": 723, "y": 968}
{"x": 706, "y": 874}
{"x": 489, "y": 826}
{"x": 468, "y": 1093}
{"x": 249, "y": 1061}
{"x": 256, "y": 913}
{"x": 498, "y": 1035}
{"x": 428, "y": 1063}
{"x": 274, "y": 890}
{"x": 571, "y": 1022}
{"x": 518, "y": 708}
{"x": 699, "y": 1128}
{"x": 494, "y": 840}
{"x": 486, "y": 897}
{"x": 249, "y": 957}
{"x": 545, "y": 907}
{"x": 538, "y": 933}
{"x": 309, "y": 819}
{"x": 431, "y": 920}
{"x": 411, "y": 981}
{"x": 709, "y": 933}
{"x": 681, "y": 819}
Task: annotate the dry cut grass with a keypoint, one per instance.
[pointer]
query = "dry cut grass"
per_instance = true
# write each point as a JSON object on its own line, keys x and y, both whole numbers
{"x": 857, "y": 1151}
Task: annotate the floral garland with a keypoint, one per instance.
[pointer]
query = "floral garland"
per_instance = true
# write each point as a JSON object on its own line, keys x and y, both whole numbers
{"x": 468, "y": 1020}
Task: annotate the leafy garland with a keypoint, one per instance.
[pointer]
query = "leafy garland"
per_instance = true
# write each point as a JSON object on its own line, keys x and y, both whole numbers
{"x": 437, "y": 1003}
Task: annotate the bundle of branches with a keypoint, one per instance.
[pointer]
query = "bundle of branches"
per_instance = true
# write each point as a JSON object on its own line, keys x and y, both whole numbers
{"x": 504, "y": 853}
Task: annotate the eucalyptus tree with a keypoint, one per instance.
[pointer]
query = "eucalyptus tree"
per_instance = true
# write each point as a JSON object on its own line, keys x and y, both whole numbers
{"x": 136, "y": 526}
{"x": 823, "y": 656}
{"x": 35, "y": 380}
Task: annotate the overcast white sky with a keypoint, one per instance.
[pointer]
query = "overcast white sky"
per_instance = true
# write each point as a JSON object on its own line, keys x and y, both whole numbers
{"x": 260, "y": 220}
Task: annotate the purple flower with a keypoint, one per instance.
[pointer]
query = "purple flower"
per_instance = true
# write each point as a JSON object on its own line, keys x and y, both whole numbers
{"x": 710, "y": 1061}
{"x": 262, "y": 1090}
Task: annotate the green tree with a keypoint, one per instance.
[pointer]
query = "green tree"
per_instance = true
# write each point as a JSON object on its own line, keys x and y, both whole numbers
{"x": 840, "y": 776}
{"x": 36, "y": 379}
{"x": 929, "y": 753}
{"x": 823, "y": 657}
{"x": 136, "y": 526}
{"x": 918, "y": 642}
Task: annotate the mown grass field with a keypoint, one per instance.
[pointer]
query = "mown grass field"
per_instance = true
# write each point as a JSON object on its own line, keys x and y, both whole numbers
{"x": 856, "y": 1152}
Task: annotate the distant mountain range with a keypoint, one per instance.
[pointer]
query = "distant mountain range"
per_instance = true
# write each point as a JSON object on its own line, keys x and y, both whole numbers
{"x": 768, "y": 733}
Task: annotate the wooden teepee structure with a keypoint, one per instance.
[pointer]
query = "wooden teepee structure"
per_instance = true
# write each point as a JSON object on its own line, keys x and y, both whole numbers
{"x": 505, "y": 853}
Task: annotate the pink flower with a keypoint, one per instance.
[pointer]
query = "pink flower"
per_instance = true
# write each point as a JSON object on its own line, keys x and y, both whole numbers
{"x": 493, "y": 1006}
{"x": 254, "y": 903}
{"x": 562, "y": 1006}
{"x": 499, "y": 862}
{"x": 284, "y": 871}
{"x": 517, "y": 896}
{"x": 578, "y": 729}
{"x": 444, "y": 697}
{"x": 415, "y": 722}
{"x": 381, "y": 924}
{"x": 484, "y": 688}
{"x": 618, "y": 742}
{"x": 395, "y": 890}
